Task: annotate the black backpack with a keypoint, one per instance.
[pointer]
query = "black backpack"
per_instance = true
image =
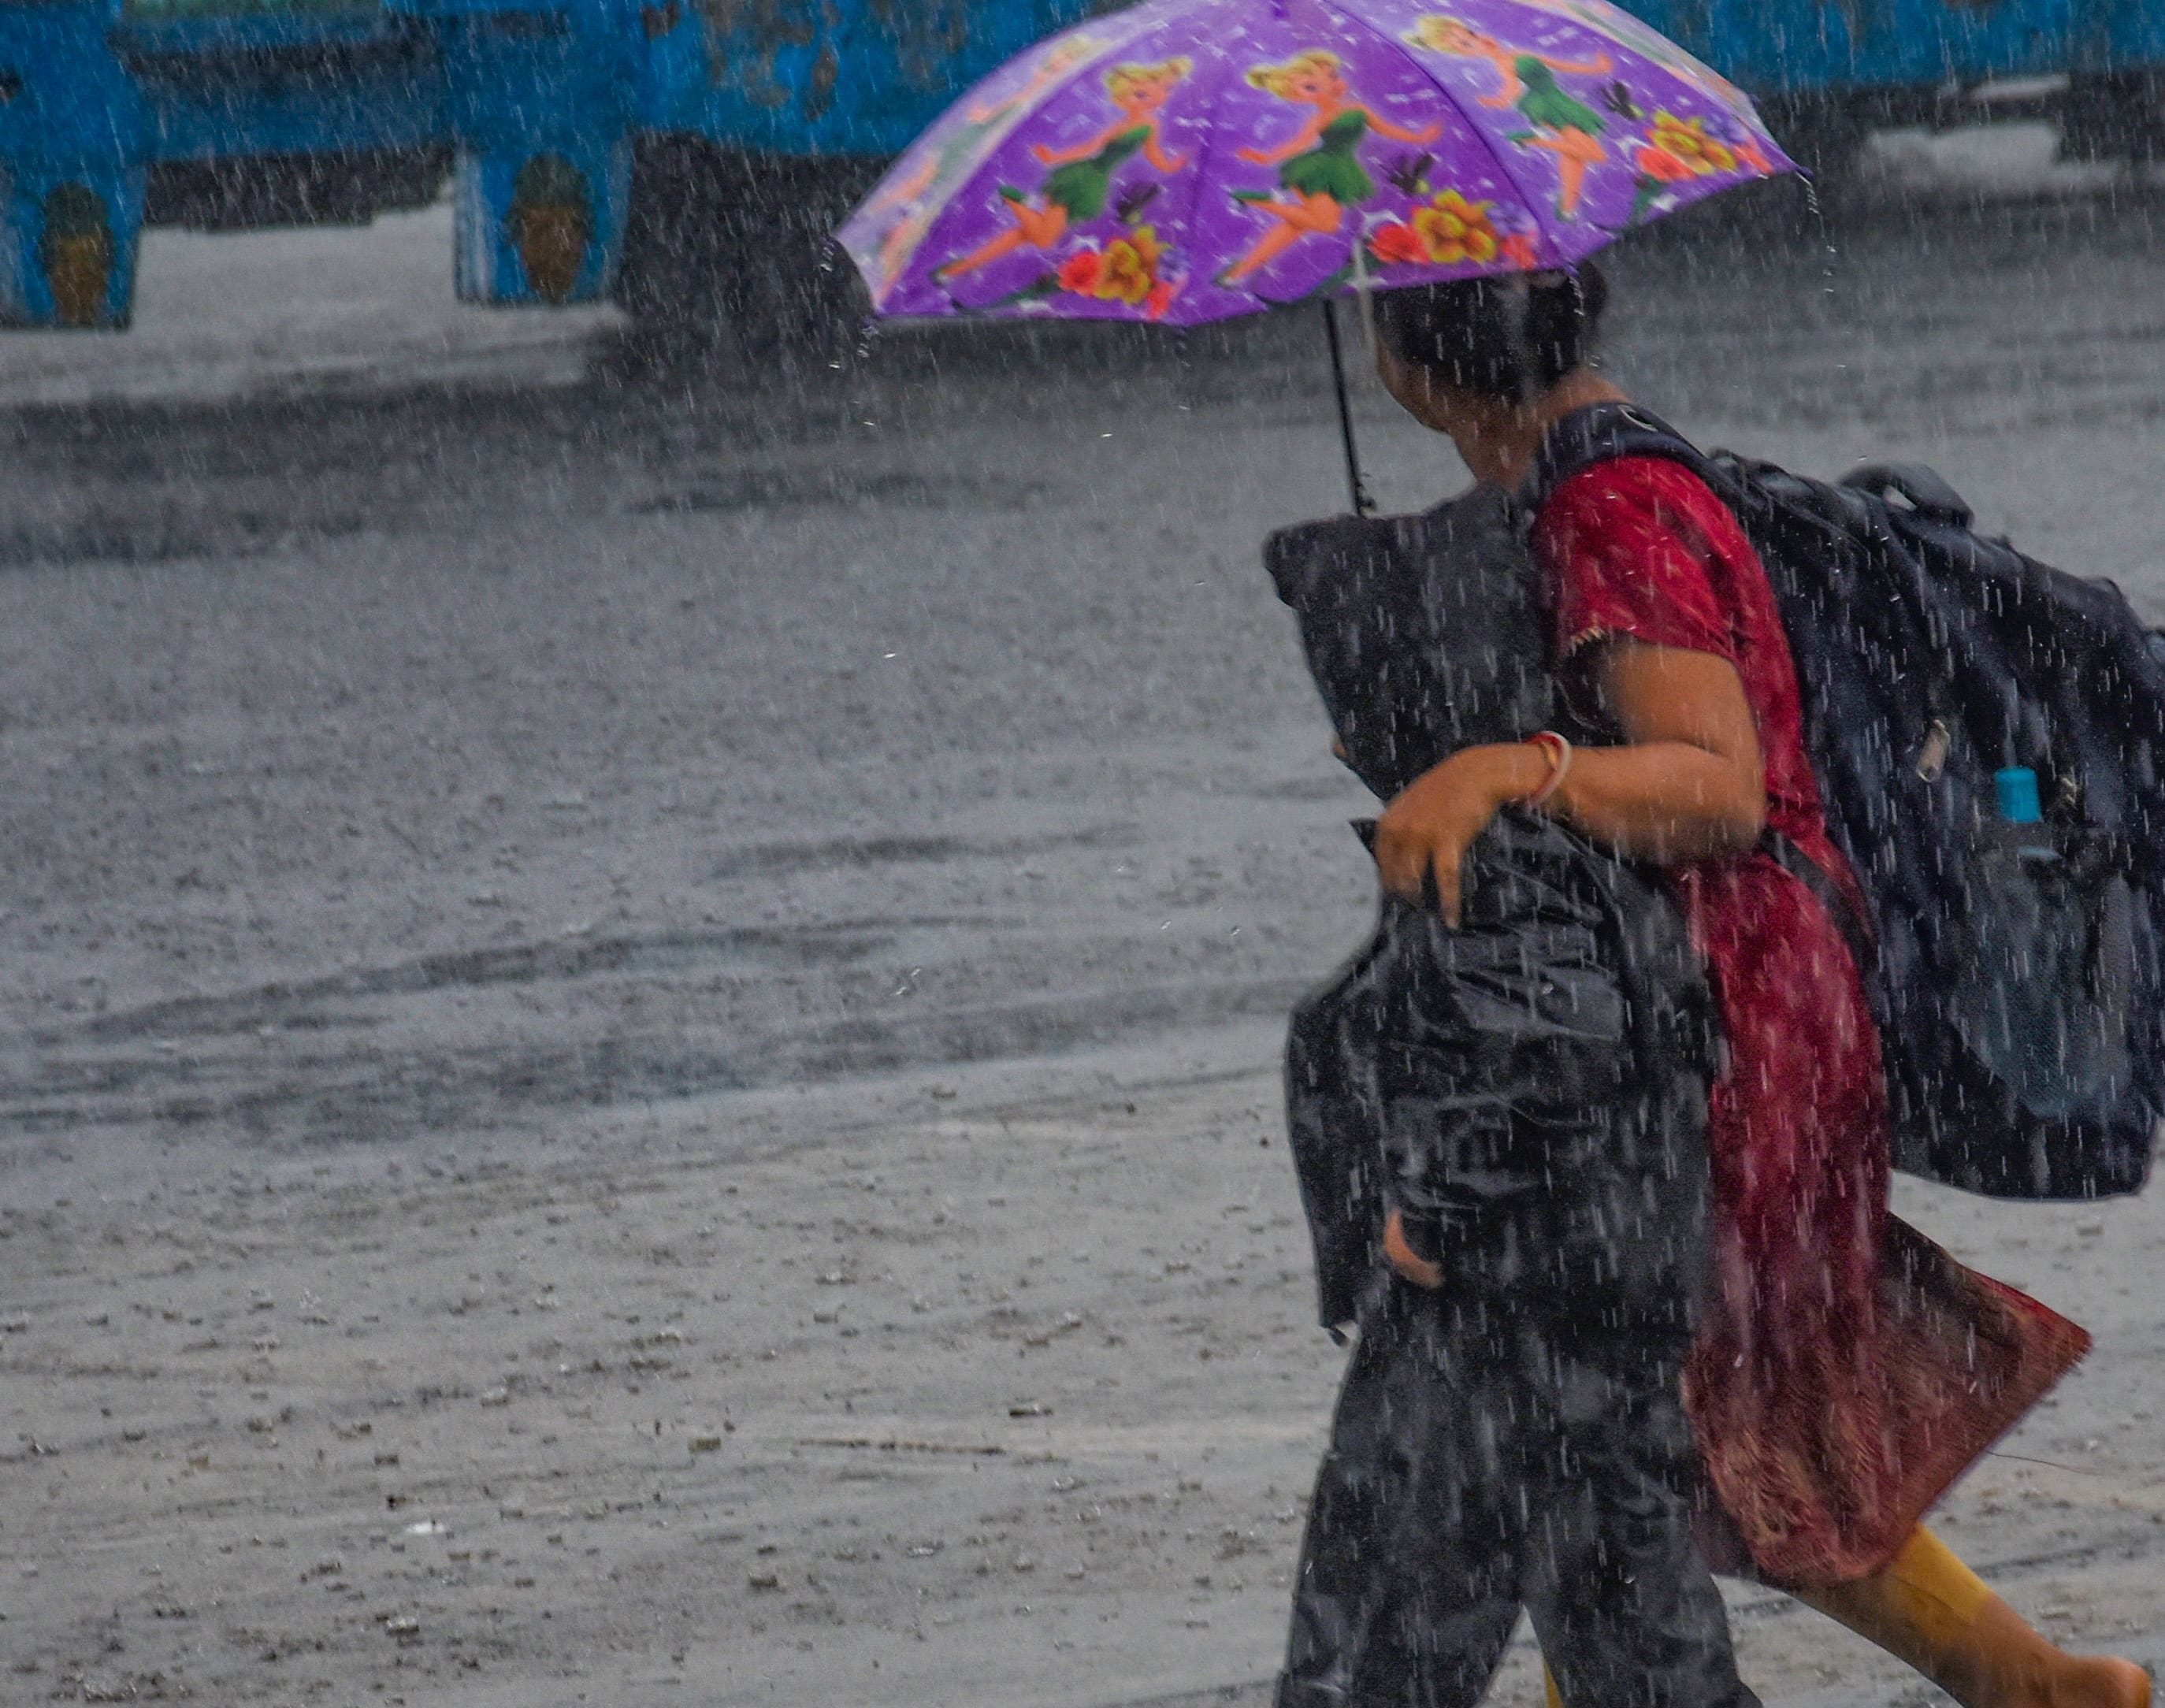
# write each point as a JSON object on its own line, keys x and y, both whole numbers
{"x": 2014, "y": 968}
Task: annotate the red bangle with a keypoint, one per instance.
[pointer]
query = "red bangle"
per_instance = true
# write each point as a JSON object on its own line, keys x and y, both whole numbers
{"x": 1558, "y": 750}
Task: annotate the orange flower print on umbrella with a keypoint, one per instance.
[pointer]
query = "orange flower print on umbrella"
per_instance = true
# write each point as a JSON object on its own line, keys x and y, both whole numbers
{"x": 1676, "y": 151}
{"x": 1396, "y": 245}
{"x": 1079, "y": 273}
{"x": 1128, "y": 270}
{"x": 1131, "y": 267}
{"x": 1456, "y": 229}
{"x": 1449, "y": 230}
{"x": 1125, "y": 270}
{"x": 1685, "y": 143}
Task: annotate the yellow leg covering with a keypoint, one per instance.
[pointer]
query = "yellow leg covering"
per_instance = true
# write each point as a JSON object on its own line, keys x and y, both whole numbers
{"x": 1918, "y": 1607}
{"x": 1926, "y": 1607}
{"x": 1548, "y": 1683}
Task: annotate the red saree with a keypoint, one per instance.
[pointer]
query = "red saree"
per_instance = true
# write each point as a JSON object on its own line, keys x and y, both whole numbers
{"x": 1848, "y": 1370}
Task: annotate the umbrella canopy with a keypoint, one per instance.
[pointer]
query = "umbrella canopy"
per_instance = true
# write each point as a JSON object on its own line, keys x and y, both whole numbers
{"x": 1189, "y": 161}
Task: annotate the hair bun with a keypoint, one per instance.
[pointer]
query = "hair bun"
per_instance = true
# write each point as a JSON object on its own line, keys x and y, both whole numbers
{"x": 1511, "y": 337}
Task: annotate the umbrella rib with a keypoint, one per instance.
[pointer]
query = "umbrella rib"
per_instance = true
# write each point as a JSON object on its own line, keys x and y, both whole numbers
{"x": 1207, "y": 155}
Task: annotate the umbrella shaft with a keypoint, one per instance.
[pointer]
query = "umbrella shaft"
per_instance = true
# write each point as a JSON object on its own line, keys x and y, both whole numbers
{"x": 1363, "y": 505}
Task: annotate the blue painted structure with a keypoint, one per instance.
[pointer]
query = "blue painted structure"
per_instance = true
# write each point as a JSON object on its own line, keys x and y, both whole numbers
{"x": 558, "y": 116}
{"x": 239, "y": 111}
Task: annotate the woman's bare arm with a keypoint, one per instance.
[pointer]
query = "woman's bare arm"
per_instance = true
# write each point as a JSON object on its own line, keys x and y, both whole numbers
{"x": 1690, "y": 782}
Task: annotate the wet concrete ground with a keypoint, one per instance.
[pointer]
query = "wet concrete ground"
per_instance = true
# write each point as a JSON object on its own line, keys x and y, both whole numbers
{"x": 587, "y": 944}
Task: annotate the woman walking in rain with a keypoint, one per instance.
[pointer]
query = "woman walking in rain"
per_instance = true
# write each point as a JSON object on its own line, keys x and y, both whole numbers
{"x": 1828, "y": 1417}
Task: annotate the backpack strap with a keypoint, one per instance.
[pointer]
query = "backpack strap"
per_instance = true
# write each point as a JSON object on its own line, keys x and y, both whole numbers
{"x": 1602, "y": 433}
{"x": 1855, "y": 930}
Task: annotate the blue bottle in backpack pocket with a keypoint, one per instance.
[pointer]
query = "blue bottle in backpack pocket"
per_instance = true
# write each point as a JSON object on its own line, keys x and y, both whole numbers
{"x": 2021, "y": 806}
{"x": 2018, "y": 803}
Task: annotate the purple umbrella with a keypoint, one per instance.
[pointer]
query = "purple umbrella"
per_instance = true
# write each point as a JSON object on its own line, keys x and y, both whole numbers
{"x": 1189, "y": 161}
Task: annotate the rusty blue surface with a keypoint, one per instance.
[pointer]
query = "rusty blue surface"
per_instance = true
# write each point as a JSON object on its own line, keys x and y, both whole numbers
{"x": 165, "y": 80}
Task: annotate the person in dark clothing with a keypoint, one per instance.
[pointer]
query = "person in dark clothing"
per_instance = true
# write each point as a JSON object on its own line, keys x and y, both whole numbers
{"x": 1485, "y": 1457}
{"x": 1519, "y": 1098}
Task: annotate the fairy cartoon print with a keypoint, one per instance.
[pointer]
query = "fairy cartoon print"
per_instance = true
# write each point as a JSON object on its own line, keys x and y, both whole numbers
{"x": 1628, "y": 32}
{"x": 1563, "y": 125}
{"x": 1318, "y": 167}
{"x": 1081, "y": 182}
{"x": 915, "y": 197}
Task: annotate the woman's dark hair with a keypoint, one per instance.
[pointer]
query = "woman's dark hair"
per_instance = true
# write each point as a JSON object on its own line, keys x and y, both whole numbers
{"x": 1509, "y": 338}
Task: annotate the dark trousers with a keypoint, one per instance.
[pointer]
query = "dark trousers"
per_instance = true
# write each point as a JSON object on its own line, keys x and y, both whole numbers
{"x": 1491, "y": 1454}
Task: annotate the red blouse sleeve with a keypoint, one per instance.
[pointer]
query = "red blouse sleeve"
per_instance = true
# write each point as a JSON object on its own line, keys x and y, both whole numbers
{"x": 1626, "y": 544}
